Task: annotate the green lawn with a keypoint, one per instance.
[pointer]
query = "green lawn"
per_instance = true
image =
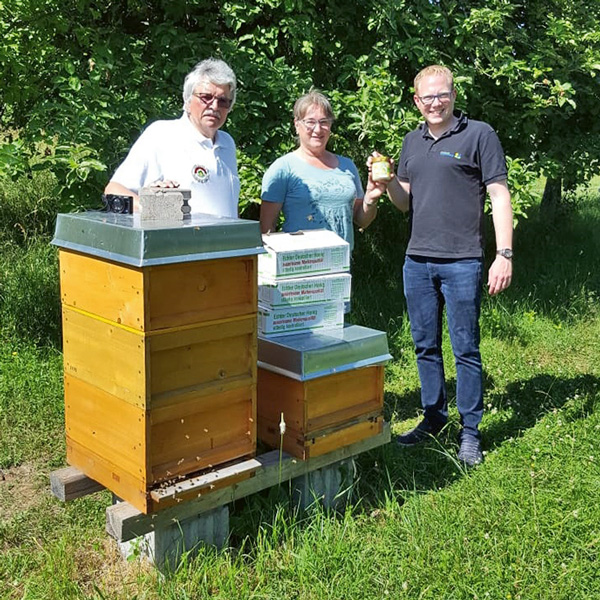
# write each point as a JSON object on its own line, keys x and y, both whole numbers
{"x": 525, "y": 524}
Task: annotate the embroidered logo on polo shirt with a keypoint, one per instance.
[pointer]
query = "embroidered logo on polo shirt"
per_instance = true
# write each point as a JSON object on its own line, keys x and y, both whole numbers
{"x": 200, "y": 173}
{"x": 456, "y": 155}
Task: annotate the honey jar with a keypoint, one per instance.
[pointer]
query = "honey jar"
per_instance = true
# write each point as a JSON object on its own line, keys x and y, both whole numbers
{"x": 381, "y": 169}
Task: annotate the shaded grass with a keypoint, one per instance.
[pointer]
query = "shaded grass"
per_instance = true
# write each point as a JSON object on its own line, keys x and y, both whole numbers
{"x": 31, "y": 404}
{"x": 556, "y": 268}
{"x": 28, "y": 209}
{"x": 29, "y": 294}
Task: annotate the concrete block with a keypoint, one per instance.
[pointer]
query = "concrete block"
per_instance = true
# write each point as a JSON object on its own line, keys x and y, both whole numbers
{"x": 330, "y": 486}
{"x": 164, "y": 204}
{"x": 165, "y": 546}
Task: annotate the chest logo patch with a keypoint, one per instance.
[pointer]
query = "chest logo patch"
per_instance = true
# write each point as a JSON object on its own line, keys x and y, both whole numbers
{"x": 456, "y": 155}
{"x": 200, "y": 173}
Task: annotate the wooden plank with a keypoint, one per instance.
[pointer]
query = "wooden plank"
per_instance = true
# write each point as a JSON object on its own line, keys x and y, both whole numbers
{"x": 110, "y": 290}
{"x": 201, "y": 398}
{"x": 202, "y": 332}
{"x": 343, "y": 437}
{"x": 205, "y": 431}
{"x": 206, "y": 353}
{"x": 195, "y": 486}
{"x": 203, "y": 392}
{"x": 200, "y": 291}
{"x": 159, "y": 297}
{"x": 192, "y": 494}
{"x": 279, "y": 394}
{"x": 338, "y": 419}
{"x": 70, "y": 483}
{"x": 122, "y": 484}
{"x": 106, "y": 425}
{"x": 124, "y": 522}
{"x": 105, "y": 355}
{"x": 303, "y": 445}
{"x": 207, "y": 458}
{"x": 327, "y": 395}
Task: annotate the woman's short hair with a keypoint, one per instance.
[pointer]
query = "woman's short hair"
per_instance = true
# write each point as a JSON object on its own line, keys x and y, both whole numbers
{"x": 434, "y": 70}
{"x": 313, "y": 98}
{"x": 213, "y": 70}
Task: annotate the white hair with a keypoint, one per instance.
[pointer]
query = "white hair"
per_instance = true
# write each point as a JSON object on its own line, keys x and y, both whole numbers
{"x": 214, "y": 71}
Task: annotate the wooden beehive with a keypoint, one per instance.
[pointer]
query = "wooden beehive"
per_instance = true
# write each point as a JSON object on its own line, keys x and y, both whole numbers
{"x": 320, "y": 414}
{"x": 160, "y": 368}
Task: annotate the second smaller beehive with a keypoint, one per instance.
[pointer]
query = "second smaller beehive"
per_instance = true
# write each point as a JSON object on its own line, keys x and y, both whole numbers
{"x": 329, "y": 389}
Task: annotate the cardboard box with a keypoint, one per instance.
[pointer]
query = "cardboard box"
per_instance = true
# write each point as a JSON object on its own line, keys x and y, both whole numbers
{"x": 300, "y": 319}
{"x": 304, "y": 253}
{"x": 304, "y": 290}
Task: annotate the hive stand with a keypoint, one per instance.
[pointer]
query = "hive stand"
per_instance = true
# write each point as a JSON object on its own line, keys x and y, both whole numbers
{"x": 330, "y": 486}
{"x": 165, "y": 546}
{"x": 202, "y": 515}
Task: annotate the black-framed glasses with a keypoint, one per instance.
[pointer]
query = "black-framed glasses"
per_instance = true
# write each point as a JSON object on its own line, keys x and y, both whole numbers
{"x": 310, "y": 124}
{"x": 222, "y": 101}
{"x": 429, "y": 99}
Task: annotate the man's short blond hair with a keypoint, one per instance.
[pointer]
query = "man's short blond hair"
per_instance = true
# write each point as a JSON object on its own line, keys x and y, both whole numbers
{"x": 434, "y": 70}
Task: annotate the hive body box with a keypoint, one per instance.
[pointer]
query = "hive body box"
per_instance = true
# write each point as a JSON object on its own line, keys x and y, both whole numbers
{"x": 328, "y": 386}
{"x": 159, "y": 356}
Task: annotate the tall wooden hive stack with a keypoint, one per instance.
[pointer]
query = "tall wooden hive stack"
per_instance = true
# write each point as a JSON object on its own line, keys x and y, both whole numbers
{"x": 160, "y": 348}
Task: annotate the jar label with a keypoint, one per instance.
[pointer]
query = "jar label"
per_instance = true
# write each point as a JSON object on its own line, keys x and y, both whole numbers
{"x": 381, "y": 170}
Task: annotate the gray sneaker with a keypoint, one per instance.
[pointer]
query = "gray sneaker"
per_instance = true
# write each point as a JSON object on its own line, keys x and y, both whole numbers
{"x": 421, "y": 433}
{"x": 470, "y": 451}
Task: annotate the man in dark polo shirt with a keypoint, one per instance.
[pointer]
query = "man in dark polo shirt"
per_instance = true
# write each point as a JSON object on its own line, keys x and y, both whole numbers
{"x": 447, "y": 166}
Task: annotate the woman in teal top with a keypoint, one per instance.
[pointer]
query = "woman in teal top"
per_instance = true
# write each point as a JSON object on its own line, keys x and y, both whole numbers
{"x": 315, "y": 188}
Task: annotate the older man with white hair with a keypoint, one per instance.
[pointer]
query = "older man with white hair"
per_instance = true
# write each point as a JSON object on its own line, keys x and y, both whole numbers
{"x": 191, "y": 151}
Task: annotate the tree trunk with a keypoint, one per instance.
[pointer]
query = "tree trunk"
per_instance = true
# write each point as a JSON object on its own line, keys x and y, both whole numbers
{"x": 552, "y": 197}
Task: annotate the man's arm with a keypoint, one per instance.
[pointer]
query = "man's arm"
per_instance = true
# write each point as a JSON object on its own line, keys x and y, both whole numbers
{"x": 399, "y": 193}
{"x": 120, "y": 190}
{"x": 500, "y": 273}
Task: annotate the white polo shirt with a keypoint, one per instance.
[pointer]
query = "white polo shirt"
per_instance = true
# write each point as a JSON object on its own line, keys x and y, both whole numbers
{"x": 176, "y": 150}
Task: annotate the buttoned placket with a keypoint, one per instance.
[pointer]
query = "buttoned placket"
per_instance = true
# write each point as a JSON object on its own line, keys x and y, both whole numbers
{"x": 448, "y": 133}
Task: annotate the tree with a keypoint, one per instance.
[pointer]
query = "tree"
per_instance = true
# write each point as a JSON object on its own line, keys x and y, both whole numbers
{"x": 81, "y": 78}
{"x": 530, "y": 69}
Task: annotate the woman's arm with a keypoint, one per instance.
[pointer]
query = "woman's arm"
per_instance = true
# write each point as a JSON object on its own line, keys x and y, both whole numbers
{"x": 269, "y": 211}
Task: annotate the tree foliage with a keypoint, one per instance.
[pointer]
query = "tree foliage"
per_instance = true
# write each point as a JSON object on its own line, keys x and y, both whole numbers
{"x": 81, "y": 78}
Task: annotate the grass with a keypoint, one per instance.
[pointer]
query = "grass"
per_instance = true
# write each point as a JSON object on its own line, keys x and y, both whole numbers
{"x": 524, "y": 525}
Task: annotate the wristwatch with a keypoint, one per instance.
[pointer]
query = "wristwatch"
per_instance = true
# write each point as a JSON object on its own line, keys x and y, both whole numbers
{"x": 506, "y": 252}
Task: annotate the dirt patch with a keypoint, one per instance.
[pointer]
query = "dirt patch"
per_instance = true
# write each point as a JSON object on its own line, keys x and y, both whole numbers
{"x": 100, "y": 566}
{"x": 95, "y": 561}
{"x": 21, "y": 488}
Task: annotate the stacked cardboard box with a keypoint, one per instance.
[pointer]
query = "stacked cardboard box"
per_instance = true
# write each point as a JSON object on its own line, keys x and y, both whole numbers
{"x": 304, "y": 282}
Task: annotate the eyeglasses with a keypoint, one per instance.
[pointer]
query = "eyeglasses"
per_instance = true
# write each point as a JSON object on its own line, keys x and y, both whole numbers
{"x": 428, "y": 100}
{"x": 310, "y": 124}
{"x": 208, "y": 99}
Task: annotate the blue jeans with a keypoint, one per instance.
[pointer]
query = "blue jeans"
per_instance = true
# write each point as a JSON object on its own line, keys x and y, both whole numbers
{"x": 429, "y": 284}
